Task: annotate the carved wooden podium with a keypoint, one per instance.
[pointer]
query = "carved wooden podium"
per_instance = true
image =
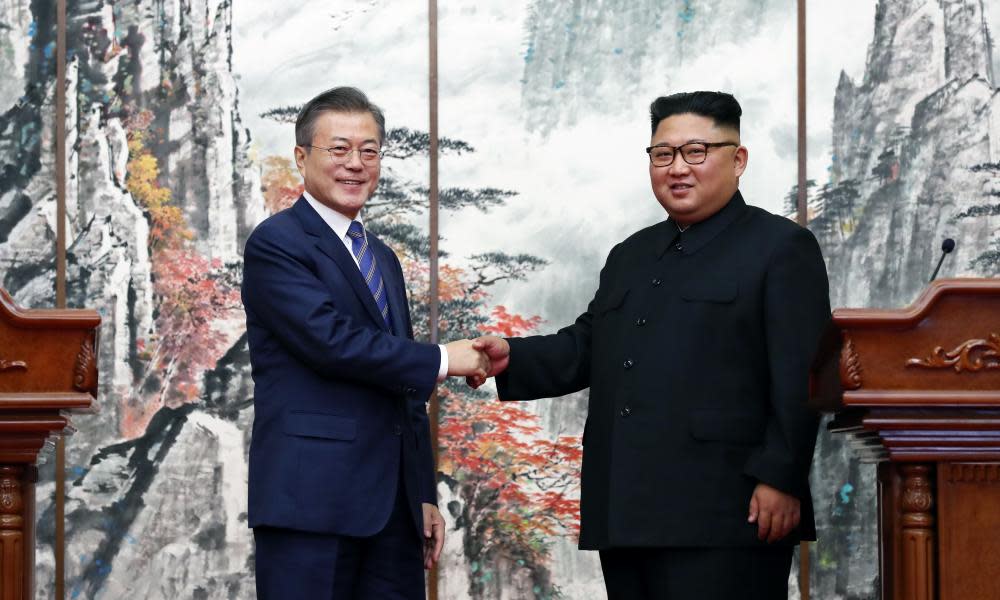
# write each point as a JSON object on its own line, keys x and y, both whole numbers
{"x": 48, "y": 367}
{"x": 918, "y": 390}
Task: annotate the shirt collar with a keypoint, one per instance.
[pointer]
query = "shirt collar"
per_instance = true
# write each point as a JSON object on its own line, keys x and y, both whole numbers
{"x": 698, "y": 234}
{"x": 338, "y": 223}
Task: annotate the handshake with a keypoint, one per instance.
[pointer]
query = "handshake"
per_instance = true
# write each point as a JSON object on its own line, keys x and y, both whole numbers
{"x": 478, "y": 359}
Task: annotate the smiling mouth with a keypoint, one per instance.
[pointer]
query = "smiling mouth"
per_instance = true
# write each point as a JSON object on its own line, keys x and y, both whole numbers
{"x": 681, "y": 186}
{"x": 350, "y": 181}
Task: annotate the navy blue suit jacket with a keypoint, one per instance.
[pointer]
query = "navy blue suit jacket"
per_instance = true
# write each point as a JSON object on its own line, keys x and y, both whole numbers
{"x": 339, "y": 399}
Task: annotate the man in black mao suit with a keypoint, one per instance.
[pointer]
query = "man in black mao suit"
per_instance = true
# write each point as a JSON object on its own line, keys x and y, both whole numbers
{"x": 696, "y": 348}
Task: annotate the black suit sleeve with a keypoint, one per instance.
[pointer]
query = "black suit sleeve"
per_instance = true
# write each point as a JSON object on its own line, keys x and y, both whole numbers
{"x": 796, "y": 311}
{"x": 548, "y": 366}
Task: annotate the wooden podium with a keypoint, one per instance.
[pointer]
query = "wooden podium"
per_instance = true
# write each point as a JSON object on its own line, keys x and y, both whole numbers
{"x": 918, "y": 390}
{"x": 48, "y": 367}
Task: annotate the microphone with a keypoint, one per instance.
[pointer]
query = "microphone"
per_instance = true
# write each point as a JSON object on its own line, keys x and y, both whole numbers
{"x": 946, "y": 247}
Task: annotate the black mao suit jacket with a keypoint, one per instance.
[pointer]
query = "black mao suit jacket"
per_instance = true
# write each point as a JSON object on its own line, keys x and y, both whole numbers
{"x": 696, "y": 348}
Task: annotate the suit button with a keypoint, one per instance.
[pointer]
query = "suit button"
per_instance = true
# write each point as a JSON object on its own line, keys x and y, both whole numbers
{"x": 397, "y": 430}
{"x": 411, "y": 390}
{"x": 640, "y": 322}
{"x": 628, "y": 364}
{"x": 626, "y": 411}
{"x": 656, "y": 281}
{"x": 679, "y": 247}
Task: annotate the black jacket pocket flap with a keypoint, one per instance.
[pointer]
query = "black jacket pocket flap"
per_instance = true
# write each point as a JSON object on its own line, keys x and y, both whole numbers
{"x": 726, "y": 426}
{"x": 710, "y": 291}
{"x": 320, "y": 425}
{"x": 610, "y": 300}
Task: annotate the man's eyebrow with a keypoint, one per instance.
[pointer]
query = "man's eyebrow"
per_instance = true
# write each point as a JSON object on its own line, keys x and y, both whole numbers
{"x": 338, "y": 138}
{"x": 691, "y": 141}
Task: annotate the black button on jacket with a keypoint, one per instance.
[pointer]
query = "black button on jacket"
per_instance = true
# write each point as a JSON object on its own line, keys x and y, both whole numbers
{"x": 716, "y": 394}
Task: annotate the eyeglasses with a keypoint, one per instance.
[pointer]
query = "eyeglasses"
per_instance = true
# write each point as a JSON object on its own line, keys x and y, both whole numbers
{"x": 342, "y": 154}
{"x": 693, "y": 153}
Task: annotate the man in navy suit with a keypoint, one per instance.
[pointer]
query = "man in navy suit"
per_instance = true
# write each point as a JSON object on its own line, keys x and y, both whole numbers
{"x": 341, "y": 489}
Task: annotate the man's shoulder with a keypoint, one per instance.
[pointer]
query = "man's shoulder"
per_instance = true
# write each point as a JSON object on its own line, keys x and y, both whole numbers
{"x": 281, "y": 233}
{"x": 280, "y": 224}
{"x": 775, "y": 227}
{"x": 777, "y": 238}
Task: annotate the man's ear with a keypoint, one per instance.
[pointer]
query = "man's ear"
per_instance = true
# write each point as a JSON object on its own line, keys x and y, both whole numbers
{"x": 740, "y": 158}
{"x": 300, "y": 159}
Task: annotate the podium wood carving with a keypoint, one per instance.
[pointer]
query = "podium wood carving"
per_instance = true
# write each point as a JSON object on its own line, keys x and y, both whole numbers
{"x": 48, "y": 368}
{"x": 918, "y": 390}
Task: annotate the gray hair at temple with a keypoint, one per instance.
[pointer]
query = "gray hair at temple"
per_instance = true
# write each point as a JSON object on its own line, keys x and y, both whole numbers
{"x": 341, "y": 100}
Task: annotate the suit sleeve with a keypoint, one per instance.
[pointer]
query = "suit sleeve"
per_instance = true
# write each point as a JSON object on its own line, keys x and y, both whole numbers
{"x": 282, "y": 294}
{"x": 428, "y": 473}
{"x": 796, "y": 312}
{"x": 548, "y": 366}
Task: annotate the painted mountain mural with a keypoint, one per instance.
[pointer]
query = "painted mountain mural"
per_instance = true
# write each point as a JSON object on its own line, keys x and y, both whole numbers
{"x": 165, "y": 183}
{"x": 916, "y": 145}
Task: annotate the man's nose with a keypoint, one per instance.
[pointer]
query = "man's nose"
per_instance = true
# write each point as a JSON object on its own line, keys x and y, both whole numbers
{"x": 679, "y": 166}
{"x": 354, "y": 160}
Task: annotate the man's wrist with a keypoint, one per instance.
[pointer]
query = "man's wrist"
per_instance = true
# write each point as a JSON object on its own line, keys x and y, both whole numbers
{"x": 443, "y": 369}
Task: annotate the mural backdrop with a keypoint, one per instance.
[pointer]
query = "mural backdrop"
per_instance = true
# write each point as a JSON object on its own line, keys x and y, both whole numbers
{"x": 180, "y": 142}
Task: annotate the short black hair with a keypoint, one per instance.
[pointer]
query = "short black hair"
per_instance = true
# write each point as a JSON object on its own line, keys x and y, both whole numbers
{"x": 339, "y": 99}
{"x": 721, "y": 107}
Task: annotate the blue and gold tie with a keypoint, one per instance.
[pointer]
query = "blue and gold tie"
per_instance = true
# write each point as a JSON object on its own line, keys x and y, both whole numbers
{"x": 369, "y": 268}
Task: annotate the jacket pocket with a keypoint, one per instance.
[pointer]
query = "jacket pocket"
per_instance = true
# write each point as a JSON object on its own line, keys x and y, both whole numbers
{"x": 727, "y": 426}
{"x": 321, "y": 425}
{"x": 608, "y": 301}
{"x": 721, "y": 292}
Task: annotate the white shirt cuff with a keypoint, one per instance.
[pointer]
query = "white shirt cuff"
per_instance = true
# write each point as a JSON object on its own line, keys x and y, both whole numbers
{"x": 443, "y": 370}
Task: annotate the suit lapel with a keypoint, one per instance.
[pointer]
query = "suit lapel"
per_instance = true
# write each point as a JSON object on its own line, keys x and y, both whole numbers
{"x": 329, "y": 245}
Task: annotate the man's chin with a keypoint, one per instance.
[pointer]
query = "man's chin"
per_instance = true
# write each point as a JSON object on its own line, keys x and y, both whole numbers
{"x": 682, "y": 212}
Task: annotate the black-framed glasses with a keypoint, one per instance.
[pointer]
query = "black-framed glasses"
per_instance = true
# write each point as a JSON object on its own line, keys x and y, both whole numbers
{"x": 341, "y": 154}
{"x": 693, "y": 153}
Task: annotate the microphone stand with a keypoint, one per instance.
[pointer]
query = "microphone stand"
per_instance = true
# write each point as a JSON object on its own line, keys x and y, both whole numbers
{"x": 946, "y": 247}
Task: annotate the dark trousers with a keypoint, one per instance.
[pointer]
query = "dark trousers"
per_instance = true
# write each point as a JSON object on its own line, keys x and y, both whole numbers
{"x": 696, "y": 573}
{"x": 297, "y": 565}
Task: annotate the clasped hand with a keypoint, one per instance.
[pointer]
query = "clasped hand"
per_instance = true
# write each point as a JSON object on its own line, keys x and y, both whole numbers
{"x": 479, "y": 359}
{"x": 465, "y": 360}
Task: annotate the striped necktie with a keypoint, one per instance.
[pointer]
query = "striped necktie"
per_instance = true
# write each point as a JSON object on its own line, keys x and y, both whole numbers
{"x": 369, "y": 268}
